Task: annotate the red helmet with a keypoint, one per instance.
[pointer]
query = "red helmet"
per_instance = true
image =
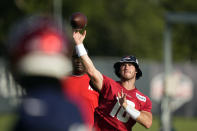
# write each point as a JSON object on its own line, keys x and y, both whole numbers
{"x": 37, "y": 47}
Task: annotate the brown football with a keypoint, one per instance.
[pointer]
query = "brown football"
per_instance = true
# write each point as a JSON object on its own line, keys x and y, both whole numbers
{"x": 78, "y": 20}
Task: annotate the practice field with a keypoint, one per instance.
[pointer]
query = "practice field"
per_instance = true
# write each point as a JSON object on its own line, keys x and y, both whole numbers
{"x": 7, "y": 121}
{"x": 180, "y": 123}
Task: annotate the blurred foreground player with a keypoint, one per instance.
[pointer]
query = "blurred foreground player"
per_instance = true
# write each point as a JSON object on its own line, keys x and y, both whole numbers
{"x": 77, "y": 86}
{"x": 38, "y": 59}
{"x": 121, "y": 104}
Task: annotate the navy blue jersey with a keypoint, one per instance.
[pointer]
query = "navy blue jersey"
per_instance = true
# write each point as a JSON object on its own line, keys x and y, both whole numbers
{"x": 46, "y": 109}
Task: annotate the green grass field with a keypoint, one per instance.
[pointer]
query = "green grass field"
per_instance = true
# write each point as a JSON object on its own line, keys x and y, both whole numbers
{"x": 7, "y": 121}
{"x": 180, "y": 123}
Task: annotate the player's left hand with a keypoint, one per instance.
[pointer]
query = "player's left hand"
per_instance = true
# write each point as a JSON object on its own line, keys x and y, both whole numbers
{"x": 122, "y": 99}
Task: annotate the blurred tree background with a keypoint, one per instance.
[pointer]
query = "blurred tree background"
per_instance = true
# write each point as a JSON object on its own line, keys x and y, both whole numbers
{"x": 117, "y": 27}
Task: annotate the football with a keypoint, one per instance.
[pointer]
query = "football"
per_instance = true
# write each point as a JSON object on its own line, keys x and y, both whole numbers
{"x": 78, "y": 20}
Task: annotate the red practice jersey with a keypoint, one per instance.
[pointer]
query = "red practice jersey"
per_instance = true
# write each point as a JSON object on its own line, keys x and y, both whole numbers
{"x": 79, "y": 90}
{"x": 109, "y": 115}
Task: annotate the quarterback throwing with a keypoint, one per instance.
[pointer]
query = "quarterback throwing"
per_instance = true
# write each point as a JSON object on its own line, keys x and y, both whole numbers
{"x": 121, "y": 104}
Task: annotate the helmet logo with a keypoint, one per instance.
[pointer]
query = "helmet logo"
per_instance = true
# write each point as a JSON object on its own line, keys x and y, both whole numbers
{"x": 130, "y": 59}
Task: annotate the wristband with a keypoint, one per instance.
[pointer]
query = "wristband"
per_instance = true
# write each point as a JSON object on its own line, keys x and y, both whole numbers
{"x": 80, "y": 49}
{"x": 132, "y": 112}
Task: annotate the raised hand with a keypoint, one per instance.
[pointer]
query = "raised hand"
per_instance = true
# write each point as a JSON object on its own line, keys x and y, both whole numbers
{"x": 78, "y": 37}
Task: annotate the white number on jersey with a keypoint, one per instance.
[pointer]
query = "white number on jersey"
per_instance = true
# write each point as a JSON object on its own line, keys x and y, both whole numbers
{"x": 119, "y": 111}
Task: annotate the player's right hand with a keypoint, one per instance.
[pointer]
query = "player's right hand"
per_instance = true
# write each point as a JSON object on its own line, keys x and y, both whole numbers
{"x": 78, "y": 37}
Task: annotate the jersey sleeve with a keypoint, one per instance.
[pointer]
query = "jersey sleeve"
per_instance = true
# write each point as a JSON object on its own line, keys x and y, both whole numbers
{"x": 148, "y": 105}
{"x": 107, "y": 85}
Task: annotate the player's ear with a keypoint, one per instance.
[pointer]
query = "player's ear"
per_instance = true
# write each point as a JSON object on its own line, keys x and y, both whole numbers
{"x": 135, "y": 70}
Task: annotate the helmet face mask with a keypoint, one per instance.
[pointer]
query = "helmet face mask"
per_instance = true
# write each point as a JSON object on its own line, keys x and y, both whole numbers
{"x": 128, "y": 59}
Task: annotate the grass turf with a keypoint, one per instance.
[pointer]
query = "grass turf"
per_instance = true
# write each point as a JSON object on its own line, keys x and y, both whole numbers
{"x": 179, "y": 124}
{"x": 7, "y": 122}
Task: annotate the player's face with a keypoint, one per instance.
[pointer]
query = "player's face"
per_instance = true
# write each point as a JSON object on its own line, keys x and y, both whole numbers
{"x": 78, "y": 67}
{"x": 127, "y": 71}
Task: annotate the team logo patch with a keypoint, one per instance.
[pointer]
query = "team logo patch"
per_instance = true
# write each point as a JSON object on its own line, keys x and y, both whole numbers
{"x": 140, "y": 97}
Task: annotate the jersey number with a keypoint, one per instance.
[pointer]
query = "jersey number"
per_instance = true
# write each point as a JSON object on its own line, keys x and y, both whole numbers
{"x": 119, "y": 112}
